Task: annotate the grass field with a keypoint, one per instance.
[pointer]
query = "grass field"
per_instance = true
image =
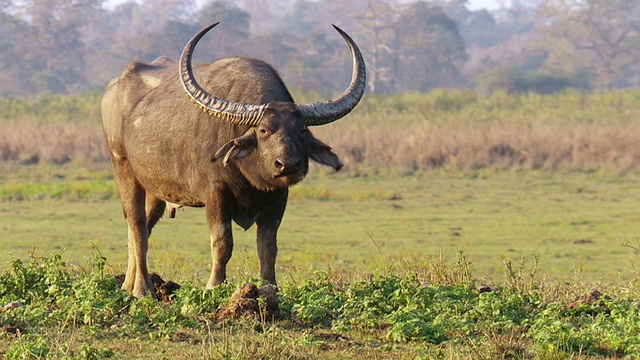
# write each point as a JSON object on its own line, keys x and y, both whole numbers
{"x": 575, "y": 223}
{"x": 501, "y": 228}
{"x": 370, "y": 264}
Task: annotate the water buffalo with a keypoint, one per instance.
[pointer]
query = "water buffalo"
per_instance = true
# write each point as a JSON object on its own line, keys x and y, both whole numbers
{"x": 237, "y": 158}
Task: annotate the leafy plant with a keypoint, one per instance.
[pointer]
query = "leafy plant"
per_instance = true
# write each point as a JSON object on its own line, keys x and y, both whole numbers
{"x": 77, "y": 312}
{"x": 36, "y": 280}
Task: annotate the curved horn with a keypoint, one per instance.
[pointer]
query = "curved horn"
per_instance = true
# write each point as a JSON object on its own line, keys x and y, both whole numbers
{"x": 234, "y": 112}
{"x": 320, "y": 113}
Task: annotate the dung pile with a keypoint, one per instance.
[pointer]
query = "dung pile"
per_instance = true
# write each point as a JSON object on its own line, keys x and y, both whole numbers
{"x": 164, "y": 289}
{"x": 249, "y": 300}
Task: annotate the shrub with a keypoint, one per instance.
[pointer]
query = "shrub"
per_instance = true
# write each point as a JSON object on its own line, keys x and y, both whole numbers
{"x": 513, "y": 82}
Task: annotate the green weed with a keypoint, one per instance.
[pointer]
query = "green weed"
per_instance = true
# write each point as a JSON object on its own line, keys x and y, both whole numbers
{"x": 51, "y": 108}
{"x": 79, "y": 312}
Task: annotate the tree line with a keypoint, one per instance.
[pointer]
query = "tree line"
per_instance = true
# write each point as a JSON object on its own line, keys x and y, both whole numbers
{"x": 74, "y": 46}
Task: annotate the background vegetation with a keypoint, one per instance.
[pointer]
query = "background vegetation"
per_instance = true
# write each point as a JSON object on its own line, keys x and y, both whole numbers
{"x": 70, "y": 46}
{"x": 413, "y": 131}
{"x": 533, "y": 195}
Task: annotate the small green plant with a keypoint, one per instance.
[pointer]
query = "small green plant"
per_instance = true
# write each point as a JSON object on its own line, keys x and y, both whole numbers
{"x": 518, "y": 279}
{"x": 315, "y": 300}
{"x": 36, "y": 280}
{"x": 80, "y": 312}
{"x": 28, "y": 347}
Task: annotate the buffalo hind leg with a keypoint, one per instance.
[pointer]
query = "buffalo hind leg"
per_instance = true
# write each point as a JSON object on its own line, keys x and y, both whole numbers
{"x": 137, "y": 281}
{"x": 154, "y": 208}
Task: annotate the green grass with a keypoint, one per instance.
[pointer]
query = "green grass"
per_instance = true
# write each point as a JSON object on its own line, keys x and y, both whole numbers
{"x": 383, "y": 264}
{"x": 51, "y": 108}
{"x": 576, "y": 223}
{"x": 79, "y": 312}
{"x": 373, "y": 262}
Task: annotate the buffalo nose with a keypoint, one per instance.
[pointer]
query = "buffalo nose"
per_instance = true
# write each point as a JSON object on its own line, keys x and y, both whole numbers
{"x": 287, "y": 163}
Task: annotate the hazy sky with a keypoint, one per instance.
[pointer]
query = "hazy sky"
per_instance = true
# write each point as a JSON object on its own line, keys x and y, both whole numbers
{"x": 473, "y": 4}
{"x": 480, "y": 4}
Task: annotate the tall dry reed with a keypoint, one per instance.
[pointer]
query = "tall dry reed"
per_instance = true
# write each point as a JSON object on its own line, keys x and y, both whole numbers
{"x": 53, "y": 143}
{"x": 502, "y": 145}
{"x": 570, "y": 131}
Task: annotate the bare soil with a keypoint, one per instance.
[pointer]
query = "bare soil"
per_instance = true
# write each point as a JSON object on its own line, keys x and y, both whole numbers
{"x": 247, "y": 301}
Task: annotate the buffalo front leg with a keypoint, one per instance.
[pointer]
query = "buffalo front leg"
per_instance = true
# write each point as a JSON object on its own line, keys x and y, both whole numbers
{"x": 267, "y": 253}
{"x": 267, "y": 232}
{"x": 137, "y": 280}
{"x": 219, "y": 221}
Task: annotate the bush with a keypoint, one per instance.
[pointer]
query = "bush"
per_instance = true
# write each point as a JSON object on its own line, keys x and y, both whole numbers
{"x": 514, "y": 82}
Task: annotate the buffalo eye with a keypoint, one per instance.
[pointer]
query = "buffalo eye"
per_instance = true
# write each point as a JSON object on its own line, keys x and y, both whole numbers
{"x": 263, "y": 132}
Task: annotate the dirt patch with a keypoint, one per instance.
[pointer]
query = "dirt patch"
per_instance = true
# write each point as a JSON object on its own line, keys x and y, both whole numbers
{"x": 596, "y": 299}
{"x": 164, "y": 289}
{"x": 10, "y": 306}
{"x": 334, "y": 337}
{"x": 249, "y": 300}
{"x": 12, "y": 329}
{"x": 483, "y": 288}
{"x": 582, "y": 241}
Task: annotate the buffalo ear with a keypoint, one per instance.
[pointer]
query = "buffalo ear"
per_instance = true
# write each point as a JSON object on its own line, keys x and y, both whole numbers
{"x": 236, "y": 148}
{"x": 321, "y": 153}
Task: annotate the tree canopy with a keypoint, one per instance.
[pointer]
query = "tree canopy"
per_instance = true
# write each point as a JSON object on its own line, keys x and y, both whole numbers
{"x": 71, "y": 46}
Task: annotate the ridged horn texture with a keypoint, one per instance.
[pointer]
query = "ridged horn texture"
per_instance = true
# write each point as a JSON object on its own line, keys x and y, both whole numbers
{"x": 320, "y": 113}
{"x": 234, "y": 112}
{"x": 314, "y": 114}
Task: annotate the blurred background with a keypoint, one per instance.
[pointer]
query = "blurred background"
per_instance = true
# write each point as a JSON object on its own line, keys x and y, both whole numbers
{"x": 520, "y": 46}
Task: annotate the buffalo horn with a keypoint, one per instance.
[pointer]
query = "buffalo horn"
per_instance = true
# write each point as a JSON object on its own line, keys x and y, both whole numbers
{"x": 320, "y": 113}
{"x": 317, "y": 113}
{"x": 234, "y": 112}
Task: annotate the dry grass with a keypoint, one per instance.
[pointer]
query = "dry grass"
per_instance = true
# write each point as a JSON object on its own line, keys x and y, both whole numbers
{"x": 502, "y": 145}
{"x": 425, "y": 146}
{"x": 571, "y": 131}
{"x": 52, "y": 143}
